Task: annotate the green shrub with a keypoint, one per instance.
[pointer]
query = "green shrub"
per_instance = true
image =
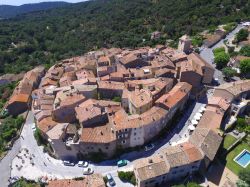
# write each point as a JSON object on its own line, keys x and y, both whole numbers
{"x": 242, "y": 35}
{"x": 117, "y": 99}
{"x": 229, "y": 72}
{"x": 245, "y": 66}
{"x": 218, "y": 50}
{"x": 39, "y": 137}
{"x": 221, "y": 59}
{"x": 229, "y": 27}
{"x": 245, "y": 51}
{"x": 128, "y": 176}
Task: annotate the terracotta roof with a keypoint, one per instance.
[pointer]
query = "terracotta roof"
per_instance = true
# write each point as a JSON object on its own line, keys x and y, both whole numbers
{"x": 103, "y": 59}
{"x": 87, "y": 113}
{"x": 193, "y": 153}
{"x": 175, "y": 95}
{"x": 98, "y": 134}
{"x": 175, "y": 156}
{"x": 207, "y": 140}
{"x": 196, "y": 58}
{"x": 236, "y": 87}
{"x": 24, "y": 98}
{"x": 121, "y": 119}
{"x": 46, "y": 124}
{"x": 219, "y": 101}
{"x": 67, "y": 99}
{"x": 174, "y": 55}
{"x": 151, "y": 167}
{"x": 111, "y": 85}
{"x": 57, "y": 131}
{"x": 191, "y": 66}
{"x": 129, "y": 58}
{"x": 212, "y": 118}
{"x": 140, "y": 98}
{"x": 84, "y": 73}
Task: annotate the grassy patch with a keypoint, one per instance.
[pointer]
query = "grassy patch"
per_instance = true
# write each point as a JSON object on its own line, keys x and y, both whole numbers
{"x": 228, "y": 141}
{"x": 230, "y": 163}
{"x": 8, "y": 130}
{"x": 25, "y": 183}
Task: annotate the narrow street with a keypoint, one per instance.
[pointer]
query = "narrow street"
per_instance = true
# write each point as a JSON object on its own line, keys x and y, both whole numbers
{"x": 207, "y": 53}
{"x": 6, "y": 162}
{"x": 44, "y": 165}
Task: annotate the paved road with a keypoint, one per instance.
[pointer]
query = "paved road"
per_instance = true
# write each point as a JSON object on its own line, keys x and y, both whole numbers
{"x": 5, "y": 164}
{"x": 207, "y": 53}
{"x": 45, "y": 165}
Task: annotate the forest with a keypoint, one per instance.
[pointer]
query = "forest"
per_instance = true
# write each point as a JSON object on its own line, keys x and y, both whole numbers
{"x": 47, "y": 36}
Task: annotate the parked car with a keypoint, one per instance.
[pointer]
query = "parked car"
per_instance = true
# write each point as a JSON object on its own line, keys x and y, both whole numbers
{"x": 121, "y": 163}
{"x": 82, "y": 164}
{"x": 33, "y": 127}
{"x": 68, "y": 163}
{"x": 216, "y": 82}
{"x": 110, "y": 179}
{"x": 149, "y": 147}
{"x": 88, "y": 171}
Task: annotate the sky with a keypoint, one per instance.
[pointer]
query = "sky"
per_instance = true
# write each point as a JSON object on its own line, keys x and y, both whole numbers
{"x": 21, "y": 2}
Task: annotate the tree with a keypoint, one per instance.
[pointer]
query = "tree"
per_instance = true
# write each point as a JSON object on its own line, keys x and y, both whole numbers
{"x": 245, "y": 51}
{"x": 244, "y": 176}
{"x": 242, "y": 35}
{"x": 242, "y": 125}
{"x": 245, "y": 66}
{"x": 221, "y": 59}
{"x": 228, "y": 72}
{"x": 128, "y": 176}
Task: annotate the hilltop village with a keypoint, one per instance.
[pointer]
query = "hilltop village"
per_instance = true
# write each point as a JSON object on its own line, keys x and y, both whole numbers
{"x": 113, "y": 99}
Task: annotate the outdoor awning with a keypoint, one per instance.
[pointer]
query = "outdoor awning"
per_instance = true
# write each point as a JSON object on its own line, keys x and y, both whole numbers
{"x": 202, "y": 109}
{"x": 191, "y": 127}
{"x": 194, "y": 122}
{"x": 198, "y": 114}
{"x": 197, "y": 117}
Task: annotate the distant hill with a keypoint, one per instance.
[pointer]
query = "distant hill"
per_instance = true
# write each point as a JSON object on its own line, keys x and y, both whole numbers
{"x": 44, "y": 37}
{"x": 8, "y": 11}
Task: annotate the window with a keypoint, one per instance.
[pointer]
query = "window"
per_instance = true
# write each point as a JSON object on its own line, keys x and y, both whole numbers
{"x": 135, "y": 134}
{"x": 123, "y": 141}
{"x": 126, "y": 130}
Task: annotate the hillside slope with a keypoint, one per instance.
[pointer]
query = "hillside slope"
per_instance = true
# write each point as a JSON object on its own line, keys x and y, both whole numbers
{"x": 8, "y": 11}
{"x": 46, "y": 36}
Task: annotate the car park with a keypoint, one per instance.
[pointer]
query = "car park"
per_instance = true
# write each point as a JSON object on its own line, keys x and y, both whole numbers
{"x": 121, "y": 163}
{"x": 88, "y": 171}
{"x": 110, "y": 179}
{"x": 68, "y": 163}
{"x": 33, "y": 127}
{"x": 82, "y": 164}
{"x": 149, "y": 147}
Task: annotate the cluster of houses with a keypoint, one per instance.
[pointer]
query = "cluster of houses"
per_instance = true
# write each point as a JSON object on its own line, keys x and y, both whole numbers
{"x": 111, "y": 98}
{"x": 121, "y": 98}
{"x": 20, "y": 100}
{"x": 195, "y": 155}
